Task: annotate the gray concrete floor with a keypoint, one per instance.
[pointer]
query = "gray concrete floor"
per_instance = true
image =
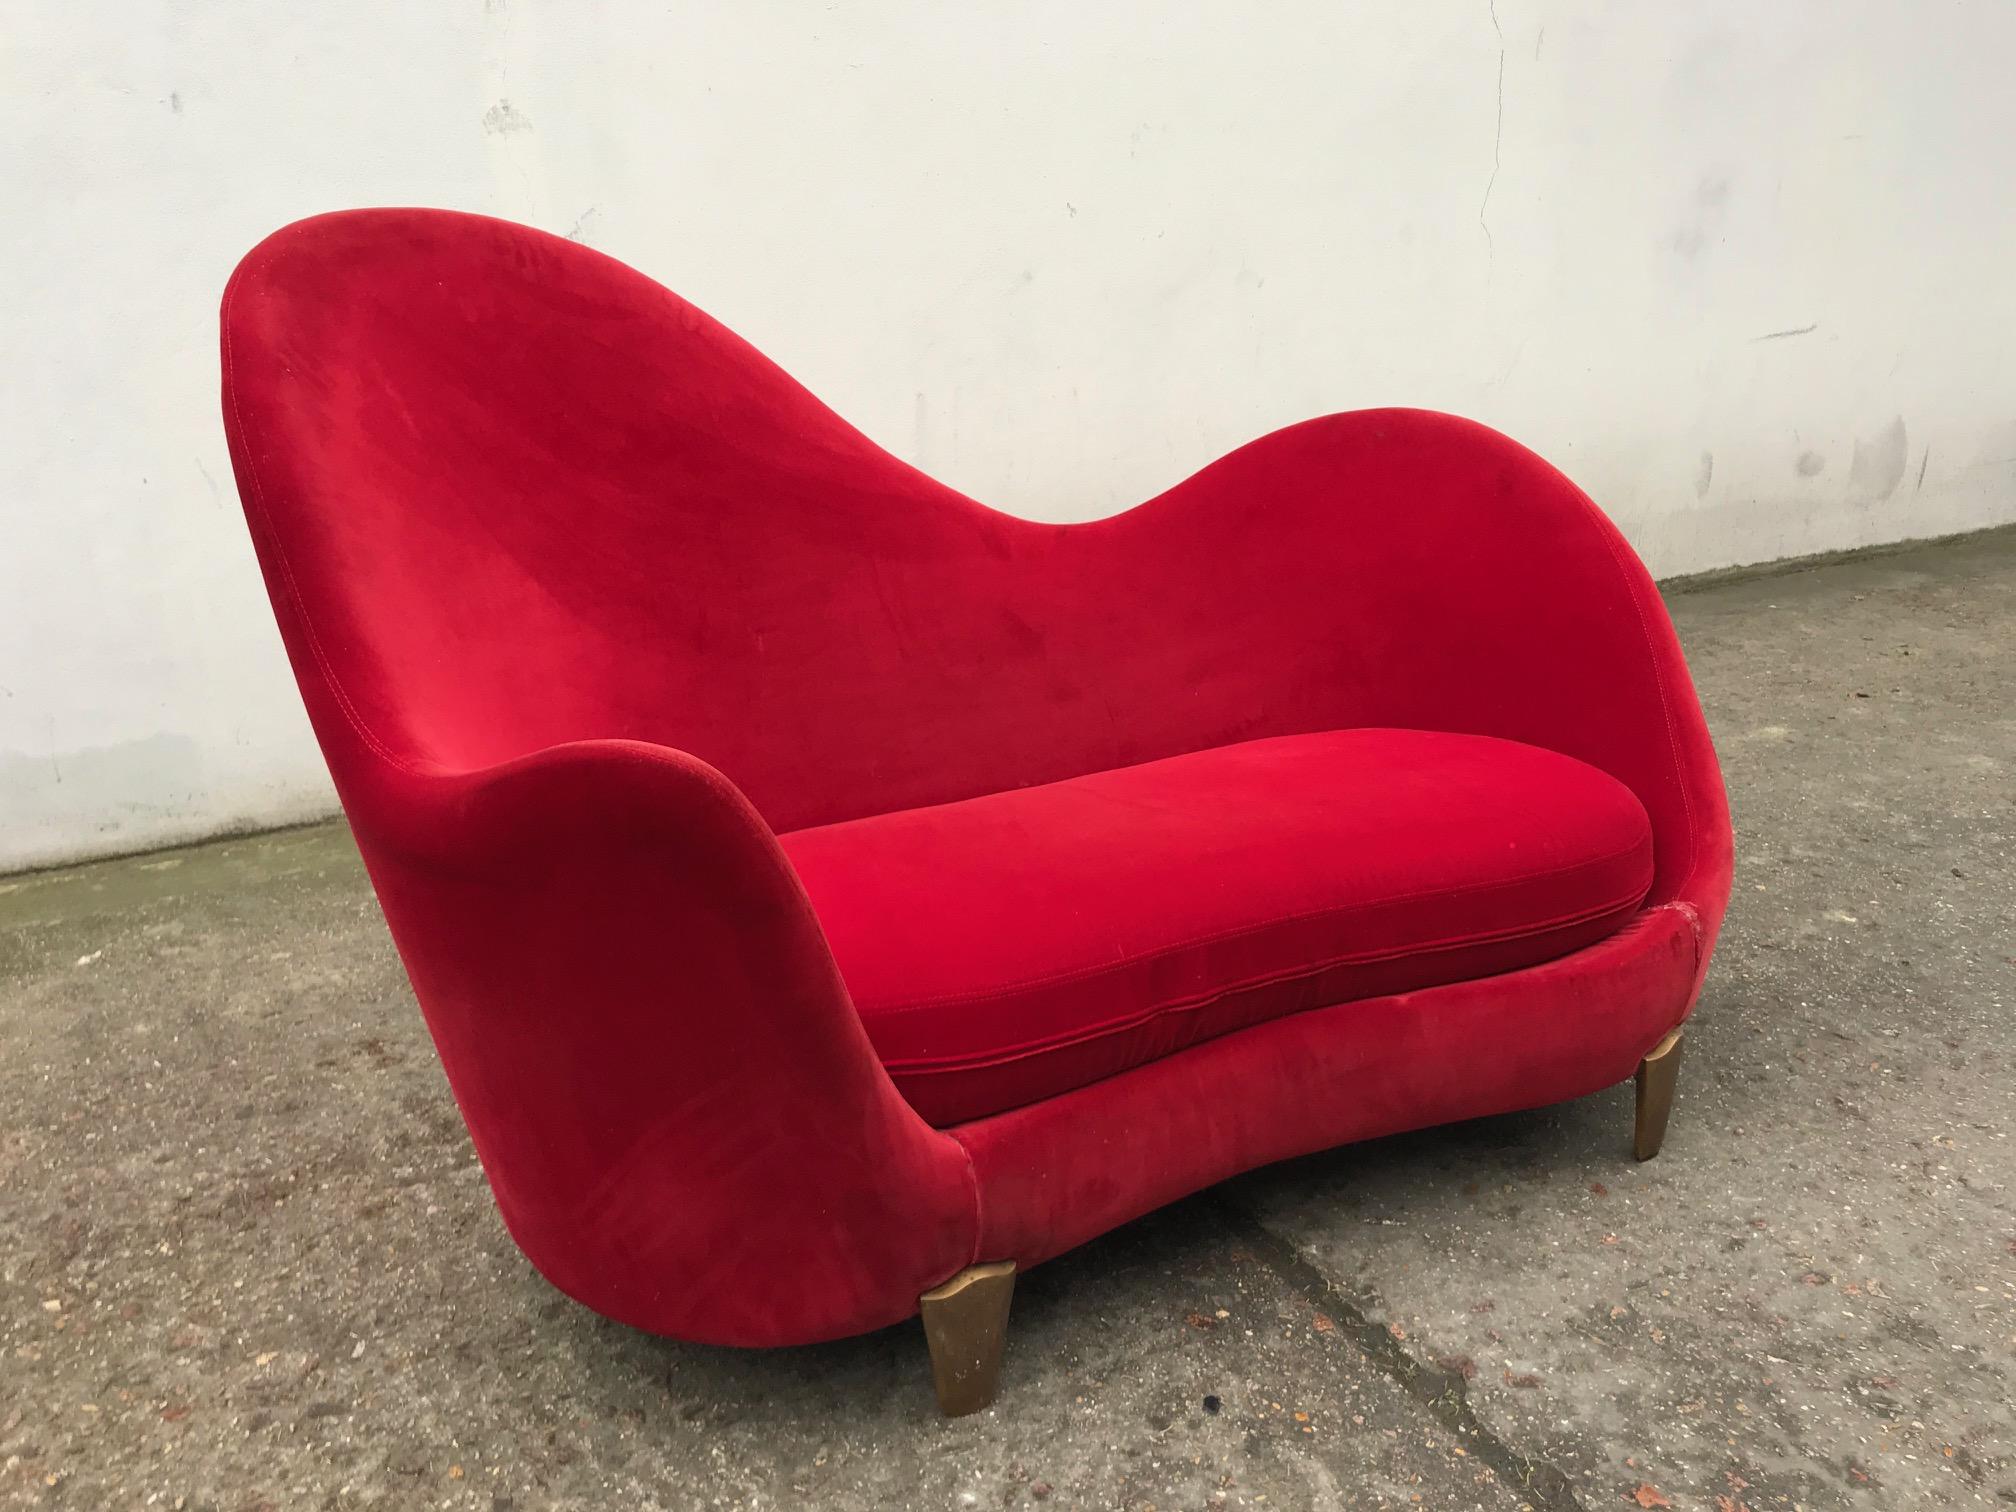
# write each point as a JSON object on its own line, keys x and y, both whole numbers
{"x": 247, "y": 1260}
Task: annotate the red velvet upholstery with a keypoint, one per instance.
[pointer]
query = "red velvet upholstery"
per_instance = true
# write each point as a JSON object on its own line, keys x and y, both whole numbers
{"x": 551, "y": 552}
{"x": 1065, "y": 1170}
{"x": 1007, "y": 948}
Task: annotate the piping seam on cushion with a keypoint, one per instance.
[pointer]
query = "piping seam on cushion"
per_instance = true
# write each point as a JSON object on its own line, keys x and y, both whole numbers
{"x": 1103, "y": 968}
{"x": 945, "y": 1065}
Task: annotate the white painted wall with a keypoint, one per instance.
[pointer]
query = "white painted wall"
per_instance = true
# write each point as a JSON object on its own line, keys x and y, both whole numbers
{"x": 1743, "y": 270}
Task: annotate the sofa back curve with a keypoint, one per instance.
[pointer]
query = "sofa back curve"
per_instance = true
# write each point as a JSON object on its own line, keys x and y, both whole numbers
{"x": 510, "y": 493}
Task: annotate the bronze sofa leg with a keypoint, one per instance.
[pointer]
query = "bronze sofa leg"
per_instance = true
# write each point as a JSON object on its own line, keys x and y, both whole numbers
{"x": 966, "y": 1323}
{"x": 1657, "y": 1075}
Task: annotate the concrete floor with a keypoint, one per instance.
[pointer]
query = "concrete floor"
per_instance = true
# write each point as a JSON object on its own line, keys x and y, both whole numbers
{"x": 247, "y": 1260}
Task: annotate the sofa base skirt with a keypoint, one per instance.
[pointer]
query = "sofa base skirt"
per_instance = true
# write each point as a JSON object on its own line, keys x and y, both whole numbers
{"x": 1054, "y": 1174}
{"x": 1047, "y": 1177}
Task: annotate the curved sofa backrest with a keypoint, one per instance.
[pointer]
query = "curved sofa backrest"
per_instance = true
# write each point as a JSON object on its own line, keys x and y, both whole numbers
{"x": 509, "y": 493}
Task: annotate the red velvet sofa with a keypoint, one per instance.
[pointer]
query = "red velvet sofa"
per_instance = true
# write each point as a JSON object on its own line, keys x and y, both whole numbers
{"x": 828, "y": 894}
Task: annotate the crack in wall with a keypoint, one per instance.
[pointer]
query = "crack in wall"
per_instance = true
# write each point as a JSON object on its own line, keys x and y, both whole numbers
{"x": 1497, "y": 140}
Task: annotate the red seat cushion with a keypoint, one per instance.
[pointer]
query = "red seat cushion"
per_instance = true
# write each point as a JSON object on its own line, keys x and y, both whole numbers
{"x": 1010, "y": 947}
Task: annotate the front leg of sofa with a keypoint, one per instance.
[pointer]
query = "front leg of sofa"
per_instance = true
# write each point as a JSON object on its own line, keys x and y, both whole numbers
{"x": 683, "y": 1122}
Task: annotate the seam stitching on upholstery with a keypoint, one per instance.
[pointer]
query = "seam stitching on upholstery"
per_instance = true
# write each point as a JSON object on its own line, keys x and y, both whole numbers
{"x": 1693, "y": 917}
{"x": 1078, "y": 973}
{"x": 1217, "y": 994}
{"x": 972, "y": 1182}
{"x": 948, "y": 1067}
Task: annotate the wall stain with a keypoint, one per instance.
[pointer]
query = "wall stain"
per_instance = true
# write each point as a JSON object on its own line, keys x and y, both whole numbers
{"x": 216, "y": 493}
{"x": 1704, "y": 475}
{"x": 1879, "y": 462}
{"x": 503, "y": 118}
{"x": 1809, "y": 463}
{"x": 1923, "y": 463}
{"x": 1805, "y": 330}
{"x": 1711, "y": 200}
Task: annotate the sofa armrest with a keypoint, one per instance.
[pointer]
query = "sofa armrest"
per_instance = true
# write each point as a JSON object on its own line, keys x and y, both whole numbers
{"x": 1428, "y": 572}
{"x": 683, "y": 1121}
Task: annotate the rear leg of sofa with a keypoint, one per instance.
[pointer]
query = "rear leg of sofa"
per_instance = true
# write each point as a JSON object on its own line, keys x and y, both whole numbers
{"x": 966, "y": 1325}
{"x": 1658, "y": 1073}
